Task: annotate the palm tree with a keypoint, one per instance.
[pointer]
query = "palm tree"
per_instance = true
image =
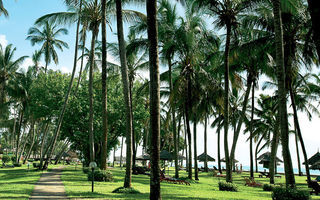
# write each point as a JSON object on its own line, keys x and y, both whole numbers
{"x": 314, "y": 10}
{"x": 154, "y": 99}
{"x": 125, "y": 81}
{"x": 57, "y": 130}
{"x": 104, "y": 85}
{"x": 48, "y": 38}
{"x": 284, "y": 130}
{"x": 3, "y": 10}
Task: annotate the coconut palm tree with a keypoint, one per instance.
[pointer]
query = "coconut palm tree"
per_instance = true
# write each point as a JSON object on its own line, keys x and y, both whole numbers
{"x": 48, "y": 38}
{"x": 314, "y": 10}
{"x": 3, "y": 10}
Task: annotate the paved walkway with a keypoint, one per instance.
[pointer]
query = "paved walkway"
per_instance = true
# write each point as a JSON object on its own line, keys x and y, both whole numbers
{"x": 50, "y": 186}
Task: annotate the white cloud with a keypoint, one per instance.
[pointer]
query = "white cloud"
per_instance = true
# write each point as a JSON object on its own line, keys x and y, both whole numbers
{"x": 65, "y": 70}
{"x": 3, "y": 40}
{"x": 26, "y": 63}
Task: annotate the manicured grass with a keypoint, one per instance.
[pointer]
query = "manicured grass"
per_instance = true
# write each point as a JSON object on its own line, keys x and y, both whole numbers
{"x": 77, "y": 186}
{"x": 18, "y": 182}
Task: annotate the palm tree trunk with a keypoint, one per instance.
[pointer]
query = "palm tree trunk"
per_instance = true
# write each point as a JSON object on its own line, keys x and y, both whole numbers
{"x": 314, "y": 10}
{"x": 57, "y": 130}
{"x": 126, "y": 94}
{"x": 155, "y": 193}
{"x": 219, "y": 149}
{"x": 84, "y": 38}
{"x": 186, "y": 142}
{"x": 284, "y": 130}
{"x": 196, "y": 172}
{"x": 134, "y": 147}
{"x": 104, "y": 87}
{"x": 31, "y": 131}
{"x": 297, "y": 150}
{"x": 226, "y": 105}
{"x": 251, "y": 134}
{"x": 256, "y": 153}
{"x": 297, "y": 125}
{"x": 205, "y": 144}
{"x": 173, "y": 114}
{"x": 31, "y": 146}
{"x": 121, "y": 152}
{"x": 42, "y": 154}
{"x": 274, "y": 150}
{"x": 187, "y": 112}
{"x": 19, "y": 133}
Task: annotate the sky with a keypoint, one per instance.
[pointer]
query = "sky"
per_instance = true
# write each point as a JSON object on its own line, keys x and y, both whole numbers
{"x": 23, "y": 13}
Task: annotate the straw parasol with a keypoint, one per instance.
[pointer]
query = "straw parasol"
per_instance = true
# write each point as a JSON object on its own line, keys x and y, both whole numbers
{"x": 265, "y": 159}
{"x": 202, "y": 158}
{"x": 315, "y": 166}
{"x": 165, "y": 155}
{"x": 314, "y": 159}
{"x": 143, "y": 157}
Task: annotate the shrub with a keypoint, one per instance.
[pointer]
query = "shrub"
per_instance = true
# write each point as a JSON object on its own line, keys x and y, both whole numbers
{"x": 36, "y": 165}
{"x": 5, "y": 158}
{"x": 17, "y": 165}
{"x": 280, "y": 193}
{"x": 126, "y": 190}
{"x": 85, "y": 170}
{"x": 267, "y": 187}
{"x": 224, "y": 186}
{"x": 101, "y": 176}
{"x": 13, "y": 159}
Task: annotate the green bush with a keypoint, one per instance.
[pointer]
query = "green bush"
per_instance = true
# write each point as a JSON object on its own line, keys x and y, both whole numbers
{"x": 224, "y": 186}
{"x": 13, "y": 159}
{"x": 267, "y": 187}
{"x": 280, "y": 193}
{"x": 126, "y": 190}
{"x": 5, "y": 158}
{"x": 85, "y": 170}
{"x": 101, "y": 176}
{"x": 36, "y": 165}
{"x": 17, "y": 165}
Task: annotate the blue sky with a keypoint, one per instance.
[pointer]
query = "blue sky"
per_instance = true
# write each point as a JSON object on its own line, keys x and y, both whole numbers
{"x": 23, "y": 13}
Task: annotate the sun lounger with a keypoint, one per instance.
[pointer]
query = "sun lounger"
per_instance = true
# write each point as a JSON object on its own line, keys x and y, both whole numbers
{"x": 251, "y": 183}
{"x": 168, "y": 179}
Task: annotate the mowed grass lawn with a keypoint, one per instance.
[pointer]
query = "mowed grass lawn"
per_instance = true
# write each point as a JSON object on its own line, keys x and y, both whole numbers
{"x": 77, "y": 186}
{"x": 18, "y": 182}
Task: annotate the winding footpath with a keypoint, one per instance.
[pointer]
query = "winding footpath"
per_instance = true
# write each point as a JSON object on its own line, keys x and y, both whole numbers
{"x": 50, "y": 186}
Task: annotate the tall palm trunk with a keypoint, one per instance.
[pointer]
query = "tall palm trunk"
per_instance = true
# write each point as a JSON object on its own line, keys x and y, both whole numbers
{"x": 155, "y": 193}
{"x": 84, "y": 38}
{"x": 226, "y": 105}
{"x": 126, "y": 94}
{"x": 44, "y": 136}
{"x": 298, "y": 152}
{"x": 31, "y": 145}
{"x": 121, "y": 152}
{"x": 187, "y": 112}
{"x": 314, "y": 10}
{"x": 297, "y": 125}
{"x": 18, "y": 132}
{"x": 196, "y": 174}
{"x": 134, "y": 147}
{"x": 219, "y": 149}
{"x": 238, "y": 124}
{"x": 256, "y": 153}
{"x": 186, "y": 142}
{"x": 104, "y": 87}
{"x": 284, "y": 130}
{"x": 29, "y": 136}
{"x": 205, "y": 144}
{"x": 251, "y": 134}
{"x": 173, "y": 115}
{"x": 57, "y": 130}
{"x": 274, "y": 150}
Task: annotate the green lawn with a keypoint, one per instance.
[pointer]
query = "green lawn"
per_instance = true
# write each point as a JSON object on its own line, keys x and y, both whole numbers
{"x": 77, "y": 186}
{"x": 17, "y": 183}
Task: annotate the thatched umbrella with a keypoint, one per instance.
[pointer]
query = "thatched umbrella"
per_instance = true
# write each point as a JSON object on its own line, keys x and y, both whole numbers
{"x": 202, "y": 158}
{"x": 181, "y": 157}
{"x": 143, "y": 157}
{"x": 314, "y": 159}
{"x": 265, "y": 159}
{"x": 315, "y": 166}
{"x": 165, "y": 155}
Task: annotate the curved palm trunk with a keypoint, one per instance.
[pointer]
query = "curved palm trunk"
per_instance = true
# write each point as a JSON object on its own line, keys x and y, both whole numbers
{"x": 44, "y": 136}
{"x": 226, "y": 105}
{"x": 84, "y": 38}
{"x": 219, "y": 149}
{"x": 274, "y": 150}
{"x": 314, "y": 10}
{"x": 205, "y": 144}
{"x": 31, "y": 131}
{"x": 256, "y": 153}
{"x": 57, "y": 130}
{"x": 196, "y": 174}
{"x": 18, "y": 130}
{"x": 251, "y": 134}
{"x": 187, "y": 112}
{"x": 173, "y": 114}
{"x": 126, "y": 94}
{"x": 31, "y": 145}
{"x": 155, "y": 193}
{"x": 104, "y": 87}
{"x": 298, "y": 154}
{"x": 297, "y": 125}
{"x": 284, "y": 130}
